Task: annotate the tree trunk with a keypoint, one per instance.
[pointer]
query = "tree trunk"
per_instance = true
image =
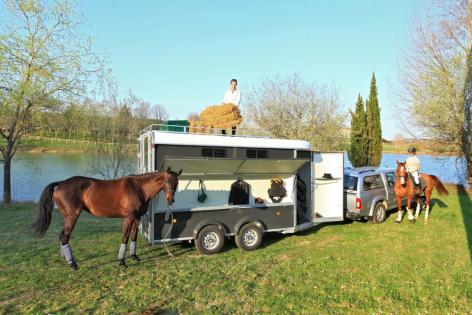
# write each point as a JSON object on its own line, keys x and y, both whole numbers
{"x": 7, "y": 180}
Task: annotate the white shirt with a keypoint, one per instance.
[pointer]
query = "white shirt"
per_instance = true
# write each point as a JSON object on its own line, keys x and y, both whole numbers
{"x": 233, "y": 97}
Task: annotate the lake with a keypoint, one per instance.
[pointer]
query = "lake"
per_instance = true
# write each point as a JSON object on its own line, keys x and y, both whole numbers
{"x": 33, "y": 171}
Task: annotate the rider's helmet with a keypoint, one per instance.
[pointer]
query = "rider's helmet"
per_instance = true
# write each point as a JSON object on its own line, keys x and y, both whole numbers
{"x": 411, "y": 150}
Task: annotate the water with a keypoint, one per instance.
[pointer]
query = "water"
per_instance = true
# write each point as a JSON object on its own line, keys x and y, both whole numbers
{"x": 446, "y": 168}
{"x": 32, "y": 172}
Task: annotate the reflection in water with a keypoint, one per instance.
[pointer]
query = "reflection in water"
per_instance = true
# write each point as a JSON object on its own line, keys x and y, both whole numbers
{"x": 32, "y": 172}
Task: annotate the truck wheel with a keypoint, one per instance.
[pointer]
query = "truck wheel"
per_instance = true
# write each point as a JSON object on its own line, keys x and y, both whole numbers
{"x": 380, "y": 213}
{"x": 249, "y": 237}
{"x": 210, "y": 240}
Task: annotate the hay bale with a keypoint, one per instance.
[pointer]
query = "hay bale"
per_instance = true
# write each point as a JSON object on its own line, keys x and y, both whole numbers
{"x": 218, "y": 110}
{"x": 216, "y": 116}
{"x": 217, "y": 120}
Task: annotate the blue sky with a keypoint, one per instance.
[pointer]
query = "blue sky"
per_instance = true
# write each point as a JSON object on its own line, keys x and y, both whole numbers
{"x": 182, "y": 54}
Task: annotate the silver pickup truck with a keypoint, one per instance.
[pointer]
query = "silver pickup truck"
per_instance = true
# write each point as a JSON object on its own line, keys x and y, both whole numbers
{"x": 368, "y": 193}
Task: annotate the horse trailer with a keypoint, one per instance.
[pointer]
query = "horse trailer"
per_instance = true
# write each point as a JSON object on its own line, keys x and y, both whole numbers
{"x": 238, "y": 186}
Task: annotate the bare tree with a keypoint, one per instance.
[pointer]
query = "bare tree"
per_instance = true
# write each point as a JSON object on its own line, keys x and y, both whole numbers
{"x": 42, "y": 57}
{"x": 433, "y": 73}
{"x": 290, "y": 108}
{"x": 158, "y": 113}
{"x": 116, "y": 131}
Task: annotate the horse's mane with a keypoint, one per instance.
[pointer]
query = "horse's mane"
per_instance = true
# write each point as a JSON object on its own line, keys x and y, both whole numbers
{"x": 145, "y": 174}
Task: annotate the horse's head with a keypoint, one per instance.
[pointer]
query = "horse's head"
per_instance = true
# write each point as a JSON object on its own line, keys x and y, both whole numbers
{"x": 401, "y": 172}
{"x": 171, "y": 182}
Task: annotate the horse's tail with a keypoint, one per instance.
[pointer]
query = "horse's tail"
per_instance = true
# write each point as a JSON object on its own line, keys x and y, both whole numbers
{"x": 46, "y": 204}
{"x": 439, "y": 185}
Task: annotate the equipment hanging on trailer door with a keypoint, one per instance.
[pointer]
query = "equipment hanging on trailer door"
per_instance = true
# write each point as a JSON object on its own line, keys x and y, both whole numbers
{"x": 239, "y": 194}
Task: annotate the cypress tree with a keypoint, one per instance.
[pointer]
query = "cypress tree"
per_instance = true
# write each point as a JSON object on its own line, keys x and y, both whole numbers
{"x": 466, "y": 132}
{"x": 359, "y": 141}
{"x": 374, "y": 126}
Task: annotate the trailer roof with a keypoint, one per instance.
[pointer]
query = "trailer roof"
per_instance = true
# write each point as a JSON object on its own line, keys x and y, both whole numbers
{"x": 181, "y": 138}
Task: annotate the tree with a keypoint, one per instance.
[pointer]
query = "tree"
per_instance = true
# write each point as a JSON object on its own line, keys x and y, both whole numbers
{"x": 433, "y": 75}
{"x": 115, "y": 157}
{"x": 159, "y": 113}
{"x": 466, "y": 140}
{"x": 374, "y": 126}
{"x": 290, "y": 108}
{"x": 359, "y": 139}
{"x": 42, "y": 56}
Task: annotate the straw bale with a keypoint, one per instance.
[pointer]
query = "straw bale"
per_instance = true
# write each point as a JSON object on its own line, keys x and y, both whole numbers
{"x": 218, "y": 110}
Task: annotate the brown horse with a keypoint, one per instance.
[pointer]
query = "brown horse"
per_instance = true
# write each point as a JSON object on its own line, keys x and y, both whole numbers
{"x": 404, "y": 187}
{"x": 127, "y": 197}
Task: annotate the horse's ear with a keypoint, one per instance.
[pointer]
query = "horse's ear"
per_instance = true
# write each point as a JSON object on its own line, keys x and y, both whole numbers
{"x": 180, "y": 172}
{"x": 168, "y": 169}
{"x": 398, "y": 163}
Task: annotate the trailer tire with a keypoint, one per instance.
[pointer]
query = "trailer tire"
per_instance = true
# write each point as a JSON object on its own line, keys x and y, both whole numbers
{"x": 249, "y": 237}
{"x": 210, "y": 240}
{"x": 380, "y": 213}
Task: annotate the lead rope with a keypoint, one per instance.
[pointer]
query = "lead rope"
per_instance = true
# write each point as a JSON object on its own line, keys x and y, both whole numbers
{"x": 166, "y": 217}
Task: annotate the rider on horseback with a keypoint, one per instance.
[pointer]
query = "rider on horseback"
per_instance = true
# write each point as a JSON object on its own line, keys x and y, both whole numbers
{"x": 413, "y": 165}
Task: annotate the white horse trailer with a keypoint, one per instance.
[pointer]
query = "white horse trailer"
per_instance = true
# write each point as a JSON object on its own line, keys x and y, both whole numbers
{"x": 313, "y": 182}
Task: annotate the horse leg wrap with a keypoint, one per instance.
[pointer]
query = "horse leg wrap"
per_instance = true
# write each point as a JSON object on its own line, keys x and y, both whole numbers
{"x": 399, "y": 215}
{"x": 122, "y": 252}
{"x": 67, "y": 252}
{"x": 410, "y": 215}
{"x": 417, "y": 213}
{"x": 426, "y": 216}
{"x": 132, "y": 249}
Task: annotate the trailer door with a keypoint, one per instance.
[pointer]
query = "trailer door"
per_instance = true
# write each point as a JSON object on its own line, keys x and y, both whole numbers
{"x": 328, "y": 187}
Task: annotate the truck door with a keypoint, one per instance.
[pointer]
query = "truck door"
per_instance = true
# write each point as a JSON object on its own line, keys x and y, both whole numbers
{"x": 328, "y": 171}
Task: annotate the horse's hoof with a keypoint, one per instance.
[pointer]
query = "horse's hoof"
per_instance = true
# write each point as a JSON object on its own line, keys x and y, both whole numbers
{"x": 398, "y": 222}
{"x": 122, "y": 263}
{"x": 416, "y": 217}
{"x": 135, "y": 258}
{"x": 74, "y": 266}
{"x": 413, "y": 221}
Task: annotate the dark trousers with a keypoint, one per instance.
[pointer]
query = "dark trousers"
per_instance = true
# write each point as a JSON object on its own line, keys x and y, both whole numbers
{"x": 233, "y": 131}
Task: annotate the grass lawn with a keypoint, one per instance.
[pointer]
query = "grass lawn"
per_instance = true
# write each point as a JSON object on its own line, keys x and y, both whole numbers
{"x": 351, "y": 268}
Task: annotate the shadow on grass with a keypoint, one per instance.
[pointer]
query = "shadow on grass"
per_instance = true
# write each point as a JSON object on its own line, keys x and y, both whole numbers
{"x": 465, "y": 204}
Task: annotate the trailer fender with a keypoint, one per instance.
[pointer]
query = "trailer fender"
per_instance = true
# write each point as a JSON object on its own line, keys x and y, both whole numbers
{"x": 241, "y": 222}
{"x": 204, "y": 223}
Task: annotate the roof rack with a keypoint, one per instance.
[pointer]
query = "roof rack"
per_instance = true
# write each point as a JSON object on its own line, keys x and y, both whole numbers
{"x": 240, "y": 132}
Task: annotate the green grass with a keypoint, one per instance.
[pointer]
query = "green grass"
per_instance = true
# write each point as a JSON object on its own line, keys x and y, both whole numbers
{"x": 354, "y": 268}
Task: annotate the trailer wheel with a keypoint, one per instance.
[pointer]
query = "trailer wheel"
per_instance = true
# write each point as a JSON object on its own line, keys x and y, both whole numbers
{"x": 210, "y": 240}
{"x": 380, "y": 213}
{"x": 249, "y": 237}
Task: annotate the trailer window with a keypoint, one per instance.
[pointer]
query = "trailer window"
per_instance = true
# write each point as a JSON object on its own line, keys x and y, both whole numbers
{"x": 214, "y": 152}
{"x": 303, "y": 154}
{"x": 257, "y": 154}
{"x": 350, "y": 182}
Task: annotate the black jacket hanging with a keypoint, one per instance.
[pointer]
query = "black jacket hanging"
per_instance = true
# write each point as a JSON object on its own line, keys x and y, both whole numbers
{"x": 239, "y": 194}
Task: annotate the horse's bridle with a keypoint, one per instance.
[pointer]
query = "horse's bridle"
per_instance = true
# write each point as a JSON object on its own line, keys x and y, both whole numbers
{"x": 166, "y": 180}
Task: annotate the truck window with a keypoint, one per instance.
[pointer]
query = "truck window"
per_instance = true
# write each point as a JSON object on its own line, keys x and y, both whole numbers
{"x": 350, "y": 182}
{"x": 390, "y": 179}
{"x": 372, "y": 182}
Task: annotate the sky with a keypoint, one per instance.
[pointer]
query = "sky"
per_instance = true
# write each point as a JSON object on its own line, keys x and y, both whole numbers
{"x": 182, "y": 54}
